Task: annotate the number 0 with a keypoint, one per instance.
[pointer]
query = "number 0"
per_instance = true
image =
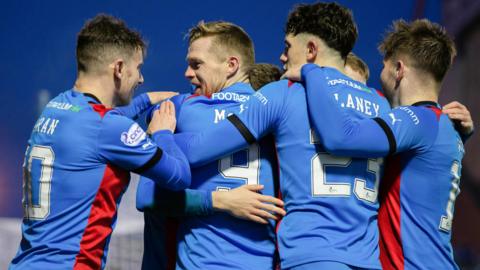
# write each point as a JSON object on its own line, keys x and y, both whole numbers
{"x": 46, "y": 156}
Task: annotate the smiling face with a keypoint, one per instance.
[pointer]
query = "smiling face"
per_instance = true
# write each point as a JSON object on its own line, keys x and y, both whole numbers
{"x": 207, "y": 71}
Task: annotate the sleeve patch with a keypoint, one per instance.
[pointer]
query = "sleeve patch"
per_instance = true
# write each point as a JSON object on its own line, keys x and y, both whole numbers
{"x": 133, "y": 136}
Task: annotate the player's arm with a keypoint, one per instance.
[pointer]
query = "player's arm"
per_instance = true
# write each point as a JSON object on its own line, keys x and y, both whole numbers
{"x": 462, "y": 118}
{"x": 187, "y": 202}
{"x": 142, "y": 103}
{"x": 344, "y": 135}
{"x": 123, "y": 143}
{"x": 260, "y": 117}
{"x": 243, "y": 202}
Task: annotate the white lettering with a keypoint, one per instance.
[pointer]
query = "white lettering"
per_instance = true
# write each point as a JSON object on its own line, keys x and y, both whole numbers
{"x": 359, "y": 103}
{"x": 219, "y": 115}
{"x": 45, "y": 126}
{"x": 52, "y": 127}
{"x": 414, "y": 117}
{"x": 350, "y": 102}
{"x": 261, "y": 97}
{"x": 367, "y": 107}
{"x": 376, "y": 108}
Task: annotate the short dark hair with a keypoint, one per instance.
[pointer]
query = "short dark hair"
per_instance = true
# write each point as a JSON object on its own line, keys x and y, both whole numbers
{"x": 228, "y": 37}
{"x": 425, "y": 43}
{"x": 261, "y": 74}
{"x": 102, "y": 37}
{"x": 357, "y": 64}
{"x": 330, "y": 22}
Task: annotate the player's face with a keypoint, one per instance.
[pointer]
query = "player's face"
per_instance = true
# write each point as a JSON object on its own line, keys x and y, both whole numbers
{"x": 388, "y": 80}
{"x": 205, "y": 70}
{"x": 293, "y": 56}
{"x": 354, "y": 74}
{"x": 132, "y": 78}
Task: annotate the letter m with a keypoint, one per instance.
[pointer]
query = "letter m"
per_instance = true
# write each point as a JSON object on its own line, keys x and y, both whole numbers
{"x": 219, "y": 115}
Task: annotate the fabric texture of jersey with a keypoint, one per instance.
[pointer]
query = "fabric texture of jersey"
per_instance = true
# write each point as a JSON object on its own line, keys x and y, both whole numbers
{"x": 76, "y": 169}
{"x": 220, "y": 241}
{"x": 326, "y": 220}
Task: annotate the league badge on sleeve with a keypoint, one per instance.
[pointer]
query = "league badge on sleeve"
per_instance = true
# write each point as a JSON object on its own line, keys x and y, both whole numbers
{"x": 133, "y": 136}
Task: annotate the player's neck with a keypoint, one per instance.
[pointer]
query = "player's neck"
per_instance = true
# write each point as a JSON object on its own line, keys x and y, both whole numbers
{"x": 97, "y": 86}
{"x": 331, "y": 61}
{"x": 415, "y": 91}
{"x": 237, "y": 78}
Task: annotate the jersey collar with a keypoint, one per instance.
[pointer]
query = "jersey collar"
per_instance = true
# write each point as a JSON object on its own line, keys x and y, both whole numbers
{"x": 427, "y": 103}
{"x": 92, "y": 98}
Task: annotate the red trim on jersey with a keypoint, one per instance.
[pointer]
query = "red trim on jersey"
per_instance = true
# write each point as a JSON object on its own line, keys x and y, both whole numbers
{"x": 436, "y": 110}
{"x": 290, "y": 83}
{"x": 171, "y": 229}
{"x": 389, "y": 218}
{"x": 191, "y": 96}
{"x": 100, "y": 220}
{"x": 100, "y": 109}
{"x": 380, "y": 93}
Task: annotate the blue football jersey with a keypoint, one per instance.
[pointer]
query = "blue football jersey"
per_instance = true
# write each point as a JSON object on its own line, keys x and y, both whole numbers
{"x": 421, "y": 180}
{"x": 218, "y": 240}
{"x": 419, "y": 189}
{"x": 77, "y": 166}
{"x": 331, "y": 201}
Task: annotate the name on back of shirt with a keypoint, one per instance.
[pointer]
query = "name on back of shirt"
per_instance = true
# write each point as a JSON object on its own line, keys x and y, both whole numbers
{"x": 365, "y": 106}
{"x": 46, "y": 125}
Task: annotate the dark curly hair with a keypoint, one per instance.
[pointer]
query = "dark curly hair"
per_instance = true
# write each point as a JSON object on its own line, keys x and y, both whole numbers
{"x": 105, "y": 36}
{"x": 330, "y": 22}
{"x": 427, "y": 45}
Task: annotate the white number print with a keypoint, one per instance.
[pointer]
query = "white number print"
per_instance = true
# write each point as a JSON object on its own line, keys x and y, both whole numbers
{"x": 249, "y": 172}
{"x": 46, "y": 156}
{"x": 446, "y": 221}
{"x": 322, "y": 188}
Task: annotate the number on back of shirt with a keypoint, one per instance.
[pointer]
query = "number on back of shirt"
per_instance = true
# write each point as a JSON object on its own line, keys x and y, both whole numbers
{"x": 323, "y": 187}
{"x": 37, "y": 180}
{"x": 446, "y": 220}
{"x": 248, "y": 172}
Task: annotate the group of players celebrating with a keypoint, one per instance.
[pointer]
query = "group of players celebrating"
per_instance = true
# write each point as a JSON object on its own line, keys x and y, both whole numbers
{"x": 313, "y": 171}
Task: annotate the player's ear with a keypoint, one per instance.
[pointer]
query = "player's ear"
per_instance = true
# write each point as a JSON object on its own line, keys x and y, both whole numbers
{"x": 399, "y": 70}
{"x": 233, "y": 65}
{"x": 312, "y": 51}
{"x": 118, "y": 67}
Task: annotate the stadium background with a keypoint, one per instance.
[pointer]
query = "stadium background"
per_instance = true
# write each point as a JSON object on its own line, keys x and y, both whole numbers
{"x": 37, "y": 55}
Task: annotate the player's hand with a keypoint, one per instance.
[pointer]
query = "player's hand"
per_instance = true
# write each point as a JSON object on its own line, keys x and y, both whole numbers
{"x": 459, "y": 114}
{"x": 293, "y": 74}
{"x": 246, "y": 203}
{"x": 163, "y": 118}
{"x": 157, "y": 97}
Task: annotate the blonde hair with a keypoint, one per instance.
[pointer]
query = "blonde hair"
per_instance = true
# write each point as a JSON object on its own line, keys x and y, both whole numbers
{"x": 229, "y": 38}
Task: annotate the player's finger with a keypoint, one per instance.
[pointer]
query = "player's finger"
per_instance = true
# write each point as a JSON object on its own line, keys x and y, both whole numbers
{"x": 454, "y": 104}
{"x": 254, "y": 187}
{"x": 168, "y": 94}
{"x": 163, "y": 108}
{"x": 456, "y": 116}
{"x": 257, "y": 219}
{"x": 270, "y": 199}
{"x": 168, "y": 107}
{"x": 272, "y": 209}
{"x": 264, "y": 214}
{"x": 454, "y": 110}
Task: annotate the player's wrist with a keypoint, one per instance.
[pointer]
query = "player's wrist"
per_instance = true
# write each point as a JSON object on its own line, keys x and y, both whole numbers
{"x": 218, "y": 201}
